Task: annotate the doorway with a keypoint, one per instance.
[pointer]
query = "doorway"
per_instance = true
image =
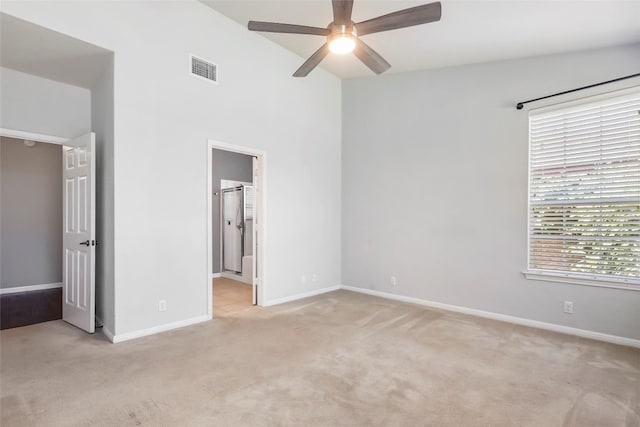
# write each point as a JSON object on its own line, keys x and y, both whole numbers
{"x": 235, "y": 195}
{"x": 48, "y": 211}
{"x": 31, "y": 244}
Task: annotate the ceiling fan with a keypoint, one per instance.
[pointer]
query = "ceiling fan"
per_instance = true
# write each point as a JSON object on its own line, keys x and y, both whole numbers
{"x": 343, "y": 35}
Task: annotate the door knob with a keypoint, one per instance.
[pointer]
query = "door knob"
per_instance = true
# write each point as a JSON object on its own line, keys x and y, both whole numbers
{"x": 86, "y": 243}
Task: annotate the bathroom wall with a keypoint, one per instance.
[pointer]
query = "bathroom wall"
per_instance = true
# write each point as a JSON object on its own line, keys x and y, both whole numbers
{"x": 233, "y": 167}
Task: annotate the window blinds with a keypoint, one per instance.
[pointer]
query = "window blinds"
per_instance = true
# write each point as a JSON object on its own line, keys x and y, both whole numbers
{"x": 584, "y": 190}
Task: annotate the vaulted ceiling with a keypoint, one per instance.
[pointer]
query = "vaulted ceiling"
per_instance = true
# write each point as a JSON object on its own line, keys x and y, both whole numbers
{"x": 469, "y": 32}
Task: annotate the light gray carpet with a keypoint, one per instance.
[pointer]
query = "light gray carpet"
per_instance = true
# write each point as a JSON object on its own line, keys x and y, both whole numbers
{"x": 336, "y": 359}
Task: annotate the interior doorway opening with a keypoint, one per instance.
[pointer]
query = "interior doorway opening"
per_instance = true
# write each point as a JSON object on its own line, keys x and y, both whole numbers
{"x": 235, "y": 233}
{"x": 30, "y": 218}
{"x": 48, "y": 229}
{"x": 57, "y": 99}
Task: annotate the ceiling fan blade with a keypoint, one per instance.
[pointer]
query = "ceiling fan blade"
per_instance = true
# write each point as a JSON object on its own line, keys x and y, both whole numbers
{"x": 312, "y": 62}
{"x": 401, "y": 19}
{"x": 371, "y": 58}
{"x": 274, "y": 27}
{"x": 342, "y": 11}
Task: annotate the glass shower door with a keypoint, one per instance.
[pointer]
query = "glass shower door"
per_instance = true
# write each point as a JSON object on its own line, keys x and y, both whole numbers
{"x": 232, "y": 232}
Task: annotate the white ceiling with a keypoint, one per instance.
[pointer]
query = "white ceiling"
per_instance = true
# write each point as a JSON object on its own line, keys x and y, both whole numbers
{"x": 42, "y": 52}
{"x": 469, "y": 32}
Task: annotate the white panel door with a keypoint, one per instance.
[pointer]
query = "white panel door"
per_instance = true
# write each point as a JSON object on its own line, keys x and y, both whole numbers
{"x": 79, "y": 244}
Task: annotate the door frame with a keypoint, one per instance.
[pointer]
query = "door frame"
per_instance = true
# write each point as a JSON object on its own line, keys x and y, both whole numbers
{"x": 39, "y": 137}
{"x": 260, "y": 199}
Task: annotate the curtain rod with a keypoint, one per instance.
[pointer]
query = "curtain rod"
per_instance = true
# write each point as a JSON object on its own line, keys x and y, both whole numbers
{"x": 520, "y": 105}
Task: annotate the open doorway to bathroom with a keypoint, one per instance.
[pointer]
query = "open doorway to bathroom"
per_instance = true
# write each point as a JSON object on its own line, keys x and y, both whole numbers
{"x": 235, "y": 229}
{"x": 233, "y": 282}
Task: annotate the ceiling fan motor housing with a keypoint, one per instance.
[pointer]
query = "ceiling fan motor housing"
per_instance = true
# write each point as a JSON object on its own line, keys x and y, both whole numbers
{"x": 343, "y": 29}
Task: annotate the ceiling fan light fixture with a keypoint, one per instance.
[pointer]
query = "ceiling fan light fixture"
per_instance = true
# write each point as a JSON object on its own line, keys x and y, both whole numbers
{"x": 342, "y": 43}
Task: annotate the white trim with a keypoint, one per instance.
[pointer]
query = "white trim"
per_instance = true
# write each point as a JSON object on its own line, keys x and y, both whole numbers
{"x": 614, "y": 339}
{"x": 231, "y": 275}
{"x": 157, "y": 329}
{"x": 301, "y": 296}
{"x": 598, "y": 336}
{"x": 108, "y": 334}
{"x": 235, "y": 148}
{"x": 262, "y": 219}
{"x": 105, "y": 331}
{"x": 585, "y": 281}
{"x": 29, "y": 288}
{"x": 216, "y": 275}
{"x": 528, "y": 189}
{"x": 20, "y": 134}
{"x": 209, "y": 230}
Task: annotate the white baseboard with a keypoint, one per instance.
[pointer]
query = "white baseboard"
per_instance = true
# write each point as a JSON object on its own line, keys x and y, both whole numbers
{"x": 232, "y": 276}
{"x": 216, "y": 276}
{"x": 107, "y": 333}
{"x": 29, "y": 288}
{"x": 156, "y": 329}
{"x": 614, "y": 339}
{"x": 300, "y": 296}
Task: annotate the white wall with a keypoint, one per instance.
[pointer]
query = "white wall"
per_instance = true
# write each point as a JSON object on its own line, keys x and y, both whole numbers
{"x": 34, "y": 104}
{"x": 435, "y": 188}
{"x": 102, "y": 111}
{"x": 163, "y": 118}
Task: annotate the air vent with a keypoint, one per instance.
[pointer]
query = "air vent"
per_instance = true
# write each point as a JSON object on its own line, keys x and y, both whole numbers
{"x": 204, "y": 69}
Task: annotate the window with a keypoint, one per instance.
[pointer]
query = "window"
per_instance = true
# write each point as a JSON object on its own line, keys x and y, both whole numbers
{"x": 584, "y": 191}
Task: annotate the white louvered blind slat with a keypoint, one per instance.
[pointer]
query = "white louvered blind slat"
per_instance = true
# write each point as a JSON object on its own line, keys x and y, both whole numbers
{"x": 584, "y": 190}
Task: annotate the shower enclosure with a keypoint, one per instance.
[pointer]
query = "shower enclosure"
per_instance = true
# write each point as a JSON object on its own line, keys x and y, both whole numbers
{"x": 237, "y": 229}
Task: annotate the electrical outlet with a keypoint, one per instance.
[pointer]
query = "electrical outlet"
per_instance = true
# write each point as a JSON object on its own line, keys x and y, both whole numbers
{"x": 568, "y": 307}
{"x": 394, "y": 281}
{"x": 314, "y": 278}
{"x": 303, "y": 279}
{"x": 162, "y": 305}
